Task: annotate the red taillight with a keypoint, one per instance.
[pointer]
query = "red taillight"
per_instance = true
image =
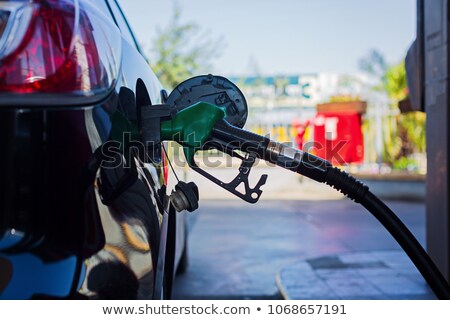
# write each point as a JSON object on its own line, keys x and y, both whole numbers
{"x": 57, "y": 47}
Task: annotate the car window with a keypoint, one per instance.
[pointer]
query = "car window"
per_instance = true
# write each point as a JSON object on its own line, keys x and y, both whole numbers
{"x": 122, "y": 23}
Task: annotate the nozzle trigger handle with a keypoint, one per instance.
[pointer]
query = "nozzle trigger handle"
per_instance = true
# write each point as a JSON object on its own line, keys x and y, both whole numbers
{"x": 251, "y": 195}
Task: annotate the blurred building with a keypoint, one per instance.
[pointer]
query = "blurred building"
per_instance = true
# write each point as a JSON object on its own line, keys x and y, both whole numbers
{"x": 284, "y": 105}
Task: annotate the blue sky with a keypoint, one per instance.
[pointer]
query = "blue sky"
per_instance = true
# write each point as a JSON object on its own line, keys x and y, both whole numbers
{"x": 286, "y": 36}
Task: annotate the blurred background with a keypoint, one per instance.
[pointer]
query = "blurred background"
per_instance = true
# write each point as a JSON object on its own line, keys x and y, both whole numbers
{"x": 315, "y": 73}
{"x": 325, "y": 76}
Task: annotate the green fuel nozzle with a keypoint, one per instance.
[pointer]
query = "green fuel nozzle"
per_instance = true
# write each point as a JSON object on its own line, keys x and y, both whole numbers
{"x": 204, "y": 126}
{"x": 192, "y": 127}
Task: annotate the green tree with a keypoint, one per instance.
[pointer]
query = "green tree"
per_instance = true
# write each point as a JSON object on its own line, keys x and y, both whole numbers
{"x": 394, "y": 82}
{"x": 404, "y": 134}
{"x": 182, "y": 50}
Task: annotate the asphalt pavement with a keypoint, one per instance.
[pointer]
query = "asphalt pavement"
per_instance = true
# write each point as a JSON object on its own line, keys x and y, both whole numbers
{"x": 239, "y": 250}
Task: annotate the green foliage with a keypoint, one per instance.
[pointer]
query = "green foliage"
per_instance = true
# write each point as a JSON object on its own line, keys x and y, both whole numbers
{"x": 392, "y": 141}
{"x": 182, "y": 50}
{"x": 404, "y": 134}
{"x": 411, "y": 125}
{"x": 394, "y": 82}
{"x": 414, "y": 124}
{"x": 405, "y": 163}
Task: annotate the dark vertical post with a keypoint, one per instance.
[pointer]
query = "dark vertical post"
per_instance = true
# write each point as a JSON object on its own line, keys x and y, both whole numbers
{"x": 436, "y": 56}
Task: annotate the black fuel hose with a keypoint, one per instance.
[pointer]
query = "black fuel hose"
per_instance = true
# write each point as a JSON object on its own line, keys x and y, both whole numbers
{"x": 231, "y": 137}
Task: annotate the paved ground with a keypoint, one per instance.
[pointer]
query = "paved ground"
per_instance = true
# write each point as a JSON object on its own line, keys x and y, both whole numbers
{"x": 237, "y": 249}
{"x": 370, "y": 275}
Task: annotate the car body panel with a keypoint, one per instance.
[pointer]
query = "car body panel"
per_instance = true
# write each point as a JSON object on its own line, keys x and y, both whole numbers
{"x": 115, "y": 246}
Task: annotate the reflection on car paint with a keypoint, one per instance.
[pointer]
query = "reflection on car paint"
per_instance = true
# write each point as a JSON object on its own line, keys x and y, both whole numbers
{"x": 123, "y": 268}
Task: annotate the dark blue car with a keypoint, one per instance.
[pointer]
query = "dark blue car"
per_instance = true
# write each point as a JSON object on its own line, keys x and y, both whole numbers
{"x": 74, "y": 224}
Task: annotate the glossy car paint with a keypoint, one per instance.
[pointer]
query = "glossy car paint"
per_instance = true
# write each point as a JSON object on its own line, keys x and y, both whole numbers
{"x": 46, "y": 192}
